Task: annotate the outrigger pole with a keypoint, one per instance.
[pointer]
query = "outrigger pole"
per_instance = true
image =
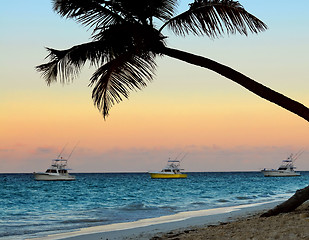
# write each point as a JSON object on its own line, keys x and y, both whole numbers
{"x": 72, "y": 150}
{"x": 62, "y": 150}
{"x": 184, "y": 156}
{"x": 178, "y": 155}
{"x": 297, "y": 155}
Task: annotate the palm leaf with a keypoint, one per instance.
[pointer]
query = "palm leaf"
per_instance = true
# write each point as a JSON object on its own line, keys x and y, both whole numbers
{"x": 213, "y": 18}
{"x": 140, "y": 10}
{"x": 66, "y": 64}
{"x": 91, "y": 13}
{"x": 117, "y": 78}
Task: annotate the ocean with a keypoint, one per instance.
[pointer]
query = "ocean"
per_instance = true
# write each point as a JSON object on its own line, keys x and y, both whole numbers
{"x": 32, "y": 208}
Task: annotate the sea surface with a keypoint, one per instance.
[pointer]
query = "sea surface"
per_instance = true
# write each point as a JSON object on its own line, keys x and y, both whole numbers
{"x": 30, "y": 208}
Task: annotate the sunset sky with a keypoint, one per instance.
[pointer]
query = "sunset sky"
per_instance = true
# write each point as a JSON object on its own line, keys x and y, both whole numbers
{"x": 186, "y": 109}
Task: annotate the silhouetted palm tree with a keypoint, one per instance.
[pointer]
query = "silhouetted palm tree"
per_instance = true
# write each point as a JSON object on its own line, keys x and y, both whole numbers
{"x": 127, "y": 37}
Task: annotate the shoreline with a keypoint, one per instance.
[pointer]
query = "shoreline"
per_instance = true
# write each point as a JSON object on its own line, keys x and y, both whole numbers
{"x": 285, "y": 226}
{"x": 148, "y": 228}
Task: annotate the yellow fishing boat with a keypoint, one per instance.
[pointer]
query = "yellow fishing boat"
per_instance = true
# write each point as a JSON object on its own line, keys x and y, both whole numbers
{"x": 172, "y": 170}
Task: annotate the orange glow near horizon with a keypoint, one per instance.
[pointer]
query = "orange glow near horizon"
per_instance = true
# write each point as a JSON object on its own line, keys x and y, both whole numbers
{"x": 154, "y": 124}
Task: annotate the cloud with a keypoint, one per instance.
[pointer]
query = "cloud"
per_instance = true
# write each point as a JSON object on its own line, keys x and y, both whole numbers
{"x": 6, "y": 150}
{"x": 198, "y": 158}
{"x": 45, "y": 150}
{"x": 203, "y": 158}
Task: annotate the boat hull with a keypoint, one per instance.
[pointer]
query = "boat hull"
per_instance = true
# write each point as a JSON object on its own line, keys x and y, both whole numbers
{"x": 53, "y": 177}
{"x": 162, "y": 175}
{"x": 276, "y": 173}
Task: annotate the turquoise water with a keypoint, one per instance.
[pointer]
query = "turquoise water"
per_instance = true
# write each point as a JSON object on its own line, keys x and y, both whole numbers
{"x": 32, "y": 208}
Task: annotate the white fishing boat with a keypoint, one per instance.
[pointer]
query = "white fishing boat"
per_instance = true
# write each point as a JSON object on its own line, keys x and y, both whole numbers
{"x": 57, "y": 171}
{"x": 171, "y": 170}
{"x": 286, "y": 169}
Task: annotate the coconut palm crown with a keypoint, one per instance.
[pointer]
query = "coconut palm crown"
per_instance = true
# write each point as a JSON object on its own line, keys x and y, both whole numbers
{"x": 127, "y": 36}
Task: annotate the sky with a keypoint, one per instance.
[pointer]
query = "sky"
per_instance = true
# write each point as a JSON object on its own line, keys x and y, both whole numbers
{"x": 219, "y": 125}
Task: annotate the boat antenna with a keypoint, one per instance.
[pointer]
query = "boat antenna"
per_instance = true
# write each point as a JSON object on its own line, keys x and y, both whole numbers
{"x": 62, "y": 150}
{"x": 72, "y": 150}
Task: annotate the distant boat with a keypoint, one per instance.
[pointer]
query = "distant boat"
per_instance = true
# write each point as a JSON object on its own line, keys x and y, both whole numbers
{"x": 58, "y": 171}
{"x": 286, "y": 169}
{"x": 172, "y": 170}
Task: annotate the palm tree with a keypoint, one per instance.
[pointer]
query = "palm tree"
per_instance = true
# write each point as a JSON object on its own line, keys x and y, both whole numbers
{"x": 127, "y": 36}
{"x": 126, "y": 40}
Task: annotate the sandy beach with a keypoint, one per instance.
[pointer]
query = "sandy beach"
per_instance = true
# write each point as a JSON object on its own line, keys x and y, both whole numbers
{"x": 294, "y": 225}
{"x": 241, "y": 222}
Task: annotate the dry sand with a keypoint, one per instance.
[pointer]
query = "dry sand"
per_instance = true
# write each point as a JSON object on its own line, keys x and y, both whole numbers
{"x": 294, "y": 225}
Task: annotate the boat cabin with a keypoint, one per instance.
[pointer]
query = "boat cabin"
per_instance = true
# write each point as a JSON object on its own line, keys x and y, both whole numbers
{"x": 167, "y": 170}
{"x": 55, "y": 171}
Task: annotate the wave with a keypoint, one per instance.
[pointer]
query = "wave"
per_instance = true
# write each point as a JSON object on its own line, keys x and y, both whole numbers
{"x": 246, "y": 197}
{"x": 77, "y": 221}
{"x": 199, "y": 203}
{"x": 135, "y": 206}
{"x": 171, "y": 208}
{"x": 267, "y": 194}
{"x": 207, "y": 197}
{"x": 22, "y": 232}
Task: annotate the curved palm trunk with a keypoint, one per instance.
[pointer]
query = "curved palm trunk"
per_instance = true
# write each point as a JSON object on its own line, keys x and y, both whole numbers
{"x": 253, "y": 86}
{"x": 293, "y": 106}
{"x": 291, "y": 204}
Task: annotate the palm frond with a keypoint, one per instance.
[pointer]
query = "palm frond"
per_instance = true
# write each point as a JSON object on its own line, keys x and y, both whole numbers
{"x": 164, "y": 9}
{"x": 117, "y": 78}
{"x": 146, "y": 9}
{"x": 49, "y": 71}
{"x": 215, "y": 18}
{"x": 91, "y": 13}
{"x": 66, "y": 64}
